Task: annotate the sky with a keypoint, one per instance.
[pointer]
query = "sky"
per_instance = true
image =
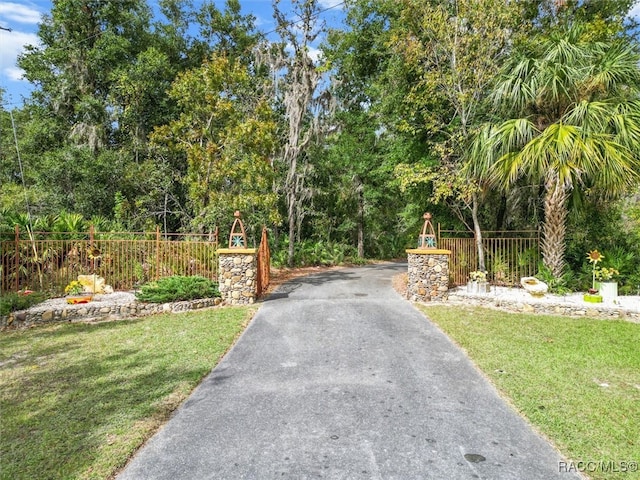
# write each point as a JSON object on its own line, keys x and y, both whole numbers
{"x": 23, "y": 16}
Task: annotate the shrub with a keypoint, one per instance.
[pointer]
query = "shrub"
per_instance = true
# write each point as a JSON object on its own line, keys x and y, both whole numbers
{"x": 176, "y": 288}
{"x": 10, "y": 302}
{"x": 559, "y": 286}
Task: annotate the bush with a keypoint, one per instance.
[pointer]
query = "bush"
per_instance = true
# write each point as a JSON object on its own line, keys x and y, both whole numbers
{"x": 10, "y": 302}
{"x": 176, "y": 288}
{"x": 559, "y": 286}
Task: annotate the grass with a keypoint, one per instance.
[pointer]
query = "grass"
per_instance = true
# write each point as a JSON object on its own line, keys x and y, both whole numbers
{"x": 78, "y": 399}
{"x": 576, "y": 380}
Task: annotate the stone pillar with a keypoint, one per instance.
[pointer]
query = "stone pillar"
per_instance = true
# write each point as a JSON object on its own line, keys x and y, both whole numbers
{"x": 428, "y": 274}
{"x": 237, "y": 271}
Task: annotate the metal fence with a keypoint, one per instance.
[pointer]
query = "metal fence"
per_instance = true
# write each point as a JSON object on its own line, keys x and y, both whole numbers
{"x": 48, "y": 261}
{"x": 509, "y": 255}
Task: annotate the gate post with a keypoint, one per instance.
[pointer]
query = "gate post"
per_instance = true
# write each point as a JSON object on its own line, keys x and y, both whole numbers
{"x": 237, "y": 268}
{"x": 428, "y": 276}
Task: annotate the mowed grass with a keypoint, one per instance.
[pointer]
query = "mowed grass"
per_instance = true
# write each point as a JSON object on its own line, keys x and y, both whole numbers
{"x": 576, "y": 380}
{"x": 76, "y": 400}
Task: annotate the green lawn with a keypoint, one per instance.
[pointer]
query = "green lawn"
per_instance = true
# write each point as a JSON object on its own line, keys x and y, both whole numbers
{"x": 77, "y": 399}
{"x": 576, "y": 380}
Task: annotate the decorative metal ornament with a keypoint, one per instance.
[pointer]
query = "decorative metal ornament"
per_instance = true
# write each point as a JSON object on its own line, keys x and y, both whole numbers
{"x": 237, "y": 237}
{"x": 427, "y": 239}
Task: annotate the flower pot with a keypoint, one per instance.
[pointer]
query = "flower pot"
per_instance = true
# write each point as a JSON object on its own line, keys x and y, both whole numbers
{"x": 80, "y": 298}
{"x": 608, "y": 290}
{"x": 476, "y": 287}
{"x": 592, "y": 298}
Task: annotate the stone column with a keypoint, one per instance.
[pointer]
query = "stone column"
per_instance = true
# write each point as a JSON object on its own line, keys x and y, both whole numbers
{"x": 428, "y": 274}
{"x": 237, "y": 270}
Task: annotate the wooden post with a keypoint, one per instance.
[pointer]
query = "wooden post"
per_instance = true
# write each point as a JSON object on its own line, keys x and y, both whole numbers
{"x": 17, "y": 230}
{"x": 157, "y": 252}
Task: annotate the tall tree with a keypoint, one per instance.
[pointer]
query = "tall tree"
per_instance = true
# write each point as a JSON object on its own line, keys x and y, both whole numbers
{"x": 226, "y": 132}
{"x": 454, "y": 48}
{"x": 575, "y": 124}
{"x": 82, "y": 43}
{"x": 300, "y": 102}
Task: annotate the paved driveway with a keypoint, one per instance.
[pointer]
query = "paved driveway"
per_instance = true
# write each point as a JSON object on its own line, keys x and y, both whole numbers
{"x": 338, "y": 377}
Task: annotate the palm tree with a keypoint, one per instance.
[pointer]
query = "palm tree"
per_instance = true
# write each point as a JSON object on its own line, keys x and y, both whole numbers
{"x": 575, "y": 126}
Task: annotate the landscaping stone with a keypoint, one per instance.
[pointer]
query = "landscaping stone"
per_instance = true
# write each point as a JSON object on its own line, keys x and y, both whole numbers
{"x": 517, "y": 300}
{"x": 236, "y": 271}
{"x": 428, "y": 277}
{"x": 112, "y": 306}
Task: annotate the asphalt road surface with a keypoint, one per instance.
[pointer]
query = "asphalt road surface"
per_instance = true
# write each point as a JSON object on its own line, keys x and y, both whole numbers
{"x": 338, "y": 377}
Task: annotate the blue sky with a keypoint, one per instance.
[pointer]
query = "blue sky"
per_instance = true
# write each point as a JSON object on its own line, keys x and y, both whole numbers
{"x": 23, "y": 16}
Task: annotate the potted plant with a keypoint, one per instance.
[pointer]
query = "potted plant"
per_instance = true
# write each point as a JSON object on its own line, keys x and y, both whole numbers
{"x": 478, "y": 282}
{"x": 605, "y": 283}
{"x": 75, "y": 293}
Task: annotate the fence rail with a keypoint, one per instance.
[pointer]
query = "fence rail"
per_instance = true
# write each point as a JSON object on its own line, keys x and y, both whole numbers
{"x": 509, "y": 255}
{"x": 48, "y": 261}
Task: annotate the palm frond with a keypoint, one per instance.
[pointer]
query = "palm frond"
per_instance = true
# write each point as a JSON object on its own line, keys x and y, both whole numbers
{"x": 613, "y": 67}
{"x": 508, "y": 140}
{"x": 590, "y": 116}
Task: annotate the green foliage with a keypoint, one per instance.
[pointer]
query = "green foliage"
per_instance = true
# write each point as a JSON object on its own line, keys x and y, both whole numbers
{"x": 143, "y": 119}
{"x": 13, "y": 301}
{"x": 562, "y": 285}
{"x": 226, "y": 132}
{"x": 316, "y": 253}
{"x": 177, "y": 288}
{"x": 570, "y": 122}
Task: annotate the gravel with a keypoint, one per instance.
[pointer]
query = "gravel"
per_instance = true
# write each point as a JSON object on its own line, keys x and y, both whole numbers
{"x": 107, "y": 300}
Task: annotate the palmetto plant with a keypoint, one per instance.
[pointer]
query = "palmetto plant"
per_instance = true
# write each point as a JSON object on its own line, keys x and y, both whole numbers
{"x": 574, "y": 126}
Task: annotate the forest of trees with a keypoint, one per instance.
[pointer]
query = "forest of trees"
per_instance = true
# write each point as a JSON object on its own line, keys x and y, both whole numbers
{"x": 492, "y": 115}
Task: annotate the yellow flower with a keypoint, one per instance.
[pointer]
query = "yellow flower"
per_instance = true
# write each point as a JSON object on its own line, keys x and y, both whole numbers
{"x": 74, "y": 288}
{"x": 595, "y": 256}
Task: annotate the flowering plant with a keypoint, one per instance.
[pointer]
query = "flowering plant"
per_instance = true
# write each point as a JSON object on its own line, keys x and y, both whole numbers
{"x": 478, "y": 276}
{"x": 605, "y": 274}
{"x": 74, "y": 288}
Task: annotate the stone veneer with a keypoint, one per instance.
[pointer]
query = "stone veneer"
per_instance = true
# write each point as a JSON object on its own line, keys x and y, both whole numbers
{"x": 237, "y": 271}
{"x": 97, "y": 311}
{"x": 592, "y": 310}
{"x": 428, "y": 278}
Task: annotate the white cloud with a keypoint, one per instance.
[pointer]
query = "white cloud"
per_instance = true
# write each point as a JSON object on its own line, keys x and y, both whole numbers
{"x": 331, "y": 3}
{"x": 314, "y": 53}
{"x": 11, "y": 45}
{"x": 635, "y": 11}
{"x": 14, "y": 73}
{"x": 16, "y": 12}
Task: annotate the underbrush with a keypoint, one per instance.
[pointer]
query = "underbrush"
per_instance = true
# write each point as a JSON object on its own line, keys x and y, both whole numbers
{"x": 13, "y": 301}
{"x": 316, "y": 253}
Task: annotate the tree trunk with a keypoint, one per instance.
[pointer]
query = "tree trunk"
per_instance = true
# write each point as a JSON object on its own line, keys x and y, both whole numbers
{"x": 360, "y": 190}
{"x": 477, "y": 232}
{"x": 554, "y": 228}
{"x": 292, "y": 227}
{"x": 502, "y": 212}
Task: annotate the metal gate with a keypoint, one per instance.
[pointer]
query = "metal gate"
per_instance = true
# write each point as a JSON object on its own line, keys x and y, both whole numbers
{"x": 264, "y": 264}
